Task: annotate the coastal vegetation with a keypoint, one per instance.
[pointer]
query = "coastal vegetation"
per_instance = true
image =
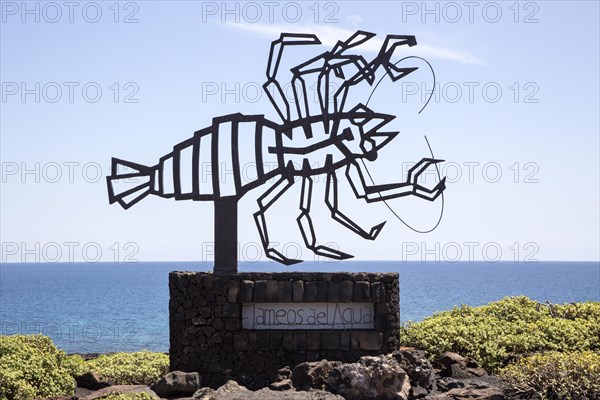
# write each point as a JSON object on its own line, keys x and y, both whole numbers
{"x": 554, "y": 375}
{"x": 494, "y": 334}
{"x": 537, "y": 348}
{"x": 545, "y": 350}
{"x": 140, "y": 368}
{"x": 32, "y": 367}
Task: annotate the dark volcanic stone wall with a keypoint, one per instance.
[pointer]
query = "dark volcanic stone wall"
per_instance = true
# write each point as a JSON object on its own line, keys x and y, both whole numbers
{"x": 207, "y": 337}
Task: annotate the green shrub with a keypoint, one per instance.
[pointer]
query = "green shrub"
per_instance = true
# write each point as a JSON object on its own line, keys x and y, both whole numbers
{"x": 76, "y": 365}
{"x": 128, "y": 396}
{"x": 140, "y": 368}
{"x": 31, "y": 366}
{"x": 494, "y": 333}
{"x": 554, "y": 375}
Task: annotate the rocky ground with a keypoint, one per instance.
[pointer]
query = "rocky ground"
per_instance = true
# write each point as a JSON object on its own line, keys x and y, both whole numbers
{"x": 405, "y": 374}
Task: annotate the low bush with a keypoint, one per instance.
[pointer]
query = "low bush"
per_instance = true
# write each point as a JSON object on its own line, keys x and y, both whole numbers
{"x": 76, "y": 365}
{"x": 495, "y": 333}
{"x": 31, "y": 366}
{"x": 140, "y": 368}
{"x": 556, "y": 376}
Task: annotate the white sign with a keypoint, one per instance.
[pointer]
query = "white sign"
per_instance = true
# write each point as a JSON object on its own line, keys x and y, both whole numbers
{"x": 307, "y": 316}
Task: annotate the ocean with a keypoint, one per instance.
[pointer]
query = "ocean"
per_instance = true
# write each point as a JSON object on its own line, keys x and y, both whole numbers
{"x": 109, "y": 307}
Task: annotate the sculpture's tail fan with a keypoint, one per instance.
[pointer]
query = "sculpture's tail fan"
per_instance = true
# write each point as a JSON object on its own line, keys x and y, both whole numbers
{"x": 129, "y": 182}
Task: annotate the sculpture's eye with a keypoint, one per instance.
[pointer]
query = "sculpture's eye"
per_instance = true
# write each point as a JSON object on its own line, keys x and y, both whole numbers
{"x": 347, "y": 134}
{"x": 367, "y": 146}
{"x": 361, "y": 115}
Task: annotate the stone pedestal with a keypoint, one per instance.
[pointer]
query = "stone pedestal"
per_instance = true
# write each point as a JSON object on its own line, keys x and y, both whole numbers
{"x": 247, "y": 326}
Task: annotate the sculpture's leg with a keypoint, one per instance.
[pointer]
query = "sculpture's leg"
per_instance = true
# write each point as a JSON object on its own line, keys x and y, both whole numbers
{"x": 331, "y": 199}
{"x": 306, "y": 225}
{"x": 264, "y": 202}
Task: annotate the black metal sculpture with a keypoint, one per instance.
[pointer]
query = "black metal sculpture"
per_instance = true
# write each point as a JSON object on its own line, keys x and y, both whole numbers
{"x": 340, "y": 137}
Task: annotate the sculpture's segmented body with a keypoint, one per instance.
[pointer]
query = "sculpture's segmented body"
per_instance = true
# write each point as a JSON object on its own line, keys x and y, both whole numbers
{"x": 221, "y": 165}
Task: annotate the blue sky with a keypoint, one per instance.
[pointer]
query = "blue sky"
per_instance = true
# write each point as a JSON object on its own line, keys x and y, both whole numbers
{"x": 516, "y": 120}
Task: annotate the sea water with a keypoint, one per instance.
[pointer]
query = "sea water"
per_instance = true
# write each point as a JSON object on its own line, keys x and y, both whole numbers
{"x": 107, "y": 307}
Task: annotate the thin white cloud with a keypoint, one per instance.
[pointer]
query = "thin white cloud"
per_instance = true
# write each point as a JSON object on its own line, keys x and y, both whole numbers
{"x": 354, "y": 20}
{"x": 329, "y": 36}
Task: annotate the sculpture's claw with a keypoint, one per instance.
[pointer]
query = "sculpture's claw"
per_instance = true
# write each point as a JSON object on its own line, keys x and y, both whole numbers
{"x": 420, "y": 190}
{"x": 430, "y": 194}
{"x": 439, "y": 188}
{"x": 419, "y": 168}
{"x": 272, "y": 86}
{"x": 356, "y": 39}
{"x": 391, "y": 44}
